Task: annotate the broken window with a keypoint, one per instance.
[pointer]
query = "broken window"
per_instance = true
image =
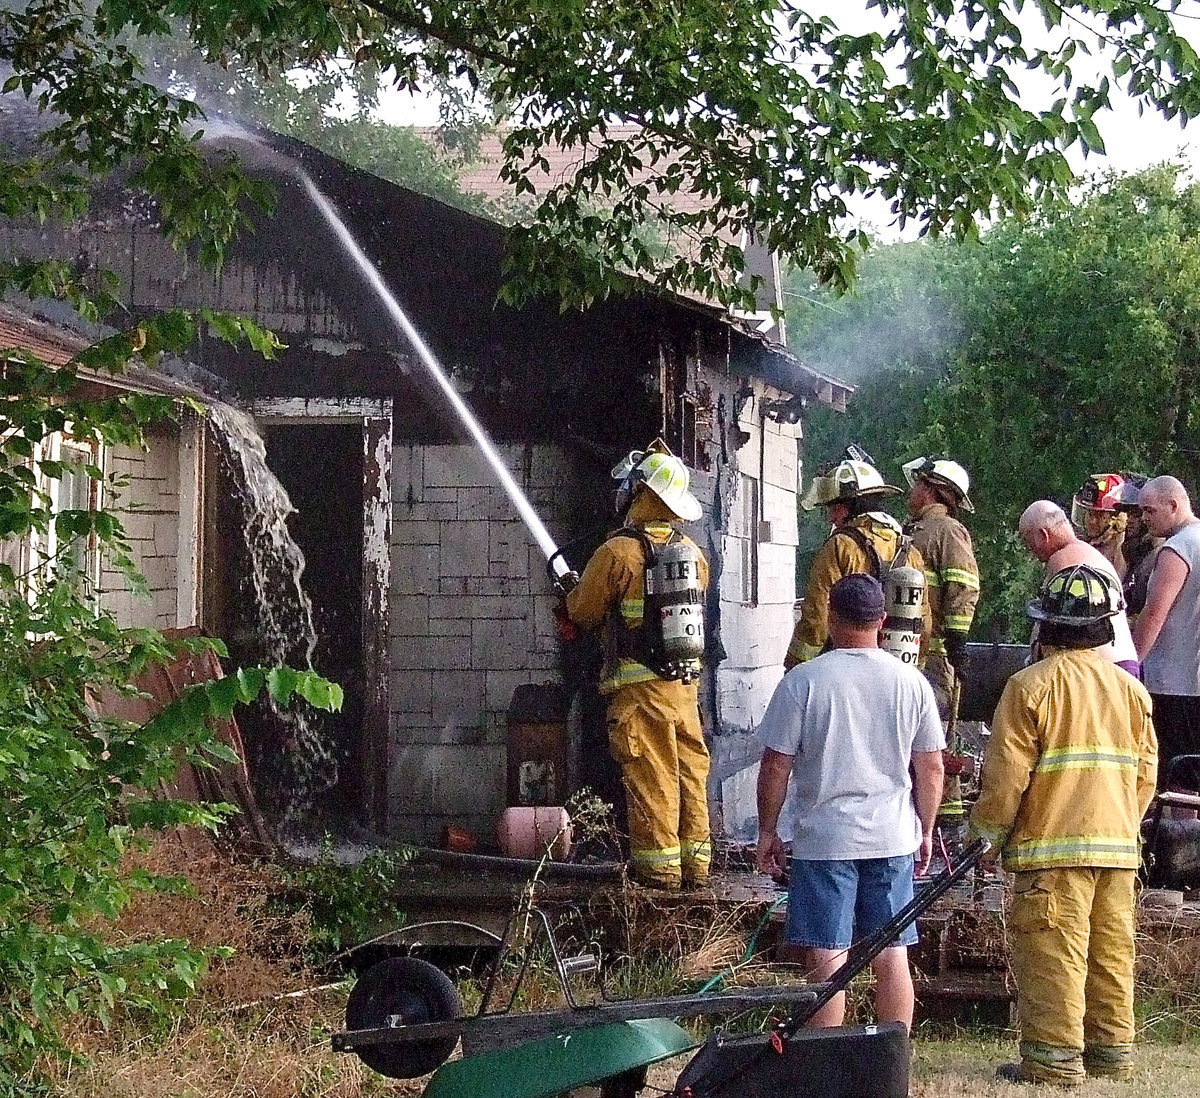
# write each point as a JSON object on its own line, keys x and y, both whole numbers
{"x": 744, "y": 532}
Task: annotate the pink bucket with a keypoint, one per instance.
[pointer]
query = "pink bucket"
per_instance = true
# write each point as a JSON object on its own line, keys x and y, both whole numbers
{"x": 526, "y": 832}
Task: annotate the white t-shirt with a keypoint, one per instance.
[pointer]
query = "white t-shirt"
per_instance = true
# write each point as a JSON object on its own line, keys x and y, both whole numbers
{"x": 1172, "y": 665}
{"x": 852, "y": 718}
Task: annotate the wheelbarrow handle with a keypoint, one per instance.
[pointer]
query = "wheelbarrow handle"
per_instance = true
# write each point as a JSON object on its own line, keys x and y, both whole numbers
{"x": 862, "y": 953}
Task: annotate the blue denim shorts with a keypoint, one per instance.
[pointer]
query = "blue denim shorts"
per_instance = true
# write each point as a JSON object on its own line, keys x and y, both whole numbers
{"x": 833, "y": 904}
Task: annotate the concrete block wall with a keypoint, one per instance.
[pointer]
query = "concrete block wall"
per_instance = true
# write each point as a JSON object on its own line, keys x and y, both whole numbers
{"x": 148, "y": 507}
{"x": 755, "y": 637}
{"x": 471, "y": 620}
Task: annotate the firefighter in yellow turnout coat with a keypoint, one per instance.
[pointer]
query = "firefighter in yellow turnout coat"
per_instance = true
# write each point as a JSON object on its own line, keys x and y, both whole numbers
{"x": 938, "y": 490}
{"x": 1069, "y": 773}
{"x": 654, "y": 730}
{"x": 864, "y": 539}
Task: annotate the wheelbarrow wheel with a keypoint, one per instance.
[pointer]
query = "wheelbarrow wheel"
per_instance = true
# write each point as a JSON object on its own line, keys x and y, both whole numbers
{"x": 417, "y": 992}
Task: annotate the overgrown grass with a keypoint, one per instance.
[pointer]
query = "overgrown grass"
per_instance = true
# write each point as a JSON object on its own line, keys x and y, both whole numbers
{"x": 259, "y": 1026}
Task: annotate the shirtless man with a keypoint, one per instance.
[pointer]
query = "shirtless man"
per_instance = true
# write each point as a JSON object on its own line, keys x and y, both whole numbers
{"x": 1049, "y": 536}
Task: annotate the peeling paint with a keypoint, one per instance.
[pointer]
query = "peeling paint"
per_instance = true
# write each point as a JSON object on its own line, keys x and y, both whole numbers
{"x": 335, "y": 348}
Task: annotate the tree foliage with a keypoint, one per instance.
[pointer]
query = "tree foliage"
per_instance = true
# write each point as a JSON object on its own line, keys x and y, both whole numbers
{"x": 79, "y": 789}
{"x": 769, "y": 112}
{"x": 333, "y": 104}
{"x": 1075, "y": 350}
{"x": 1082, "y": 355}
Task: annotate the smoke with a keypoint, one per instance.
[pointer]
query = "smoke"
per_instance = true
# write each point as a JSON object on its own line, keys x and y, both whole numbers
{"x": 903, "y": 312}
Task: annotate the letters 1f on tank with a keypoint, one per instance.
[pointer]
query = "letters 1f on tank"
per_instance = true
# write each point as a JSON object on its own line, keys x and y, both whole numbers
{"x": 674, "y": 611}
{"x": 904, "y": 598}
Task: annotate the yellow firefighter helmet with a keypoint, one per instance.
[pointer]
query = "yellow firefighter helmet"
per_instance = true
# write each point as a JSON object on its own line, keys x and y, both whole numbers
{"x": 845, "y": 481}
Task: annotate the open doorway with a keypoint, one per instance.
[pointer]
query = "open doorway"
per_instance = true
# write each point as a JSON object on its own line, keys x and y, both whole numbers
{"x": 312, "y": 770}
{"x": 321, "y": 468}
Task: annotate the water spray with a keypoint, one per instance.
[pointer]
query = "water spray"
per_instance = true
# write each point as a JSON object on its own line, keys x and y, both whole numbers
{"x": 555, "y": 562}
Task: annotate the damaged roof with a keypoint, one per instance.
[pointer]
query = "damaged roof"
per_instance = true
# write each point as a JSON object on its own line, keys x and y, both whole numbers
{"x": 463, "y": 256}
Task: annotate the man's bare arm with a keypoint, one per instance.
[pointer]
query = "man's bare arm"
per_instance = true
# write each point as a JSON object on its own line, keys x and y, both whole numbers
{"x": 1166, "y": 581}
{"x": 773, "y": 773}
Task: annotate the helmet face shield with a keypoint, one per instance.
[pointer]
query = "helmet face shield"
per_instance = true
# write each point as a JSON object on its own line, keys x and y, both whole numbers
{"x": 625, "y": 474}
{"x": 627, "y": 464}
{"x": 1081, "y": 513}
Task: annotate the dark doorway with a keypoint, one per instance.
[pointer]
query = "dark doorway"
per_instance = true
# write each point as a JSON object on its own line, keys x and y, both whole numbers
{"x": 321, "y": 468}
{"x": 306, "y": 766}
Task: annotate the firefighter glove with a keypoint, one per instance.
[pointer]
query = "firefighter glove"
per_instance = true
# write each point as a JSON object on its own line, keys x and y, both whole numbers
{"x": 566, "y": 629}
{"x": 566, "y": 583}
{"x": 956, "y": 652}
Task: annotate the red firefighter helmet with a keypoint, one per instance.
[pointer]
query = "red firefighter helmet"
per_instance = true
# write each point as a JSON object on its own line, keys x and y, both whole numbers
{"x": 1107, "y": 492}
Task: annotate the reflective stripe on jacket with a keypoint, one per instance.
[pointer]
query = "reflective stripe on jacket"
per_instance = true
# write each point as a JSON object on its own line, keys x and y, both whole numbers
{"x": 1070, "y": 766}
{"x": 841, "y": 555}
{"x": 614, "y": 583}
{"x": 951, "y": 574}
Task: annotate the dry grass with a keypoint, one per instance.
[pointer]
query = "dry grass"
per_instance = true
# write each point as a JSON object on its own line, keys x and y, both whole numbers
{"x": 1168, "y": 984}
{"x": 221, "y": 1047}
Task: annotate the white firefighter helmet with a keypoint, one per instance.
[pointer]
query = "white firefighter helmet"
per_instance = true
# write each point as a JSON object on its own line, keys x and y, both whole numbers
{"x": 845, "y": 481}
{"x": 664, "y": 474}
{"x": 945, "y": 474}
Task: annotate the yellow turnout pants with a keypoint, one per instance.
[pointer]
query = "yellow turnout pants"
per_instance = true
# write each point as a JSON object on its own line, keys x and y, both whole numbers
{"x": 940, "y": 674}
{"x": 654, "y": 734}
{"x": 1072, "y": 956}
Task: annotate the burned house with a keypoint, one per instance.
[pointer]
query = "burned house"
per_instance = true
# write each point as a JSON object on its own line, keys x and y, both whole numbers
{"x": 430, "y": 599}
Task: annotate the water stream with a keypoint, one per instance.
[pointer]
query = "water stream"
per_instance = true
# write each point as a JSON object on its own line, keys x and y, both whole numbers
{"x": 429, "y": 360}
{"x": 296, "y": 761}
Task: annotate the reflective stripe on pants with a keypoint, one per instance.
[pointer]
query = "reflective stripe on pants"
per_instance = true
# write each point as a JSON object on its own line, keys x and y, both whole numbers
{"x": 654, "y": 734}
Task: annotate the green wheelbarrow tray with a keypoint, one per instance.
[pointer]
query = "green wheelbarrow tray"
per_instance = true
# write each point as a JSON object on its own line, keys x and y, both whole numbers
{"x": 551, "y": 1065}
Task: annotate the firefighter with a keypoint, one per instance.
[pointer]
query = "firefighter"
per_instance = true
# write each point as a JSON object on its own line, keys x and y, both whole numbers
{"x": 1069, "y": 773}
{"x": 864, "y": 539}
{"x": 650, "y": 682}
{"x": 938, "y": 493}
{"x": 1097, "y": 512}
{"x": 1140, "y": 547}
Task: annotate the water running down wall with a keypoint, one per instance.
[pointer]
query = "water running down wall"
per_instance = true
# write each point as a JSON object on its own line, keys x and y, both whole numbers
{"x": 294, "y": 764}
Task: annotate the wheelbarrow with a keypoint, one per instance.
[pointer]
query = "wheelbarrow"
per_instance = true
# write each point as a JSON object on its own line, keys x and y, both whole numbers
{"x": 404, "y": 1020}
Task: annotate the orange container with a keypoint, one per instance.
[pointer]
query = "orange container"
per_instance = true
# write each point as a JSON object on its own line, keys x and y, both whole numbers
{"x": 458, "y": 839}
{"x": 528, "y": 831}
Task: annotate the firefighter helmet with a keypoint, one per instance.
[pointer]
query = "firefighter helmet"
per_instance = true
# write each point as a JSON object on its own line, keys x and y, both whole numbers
{"x": 1131, "y": 491}
{"x": 847, "y": 480}
{"x": 1079, "y": 595}
{"x": 664, "y": 474}
{"x": 942, "y": 473}
{"x": 1100, "y": 492}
